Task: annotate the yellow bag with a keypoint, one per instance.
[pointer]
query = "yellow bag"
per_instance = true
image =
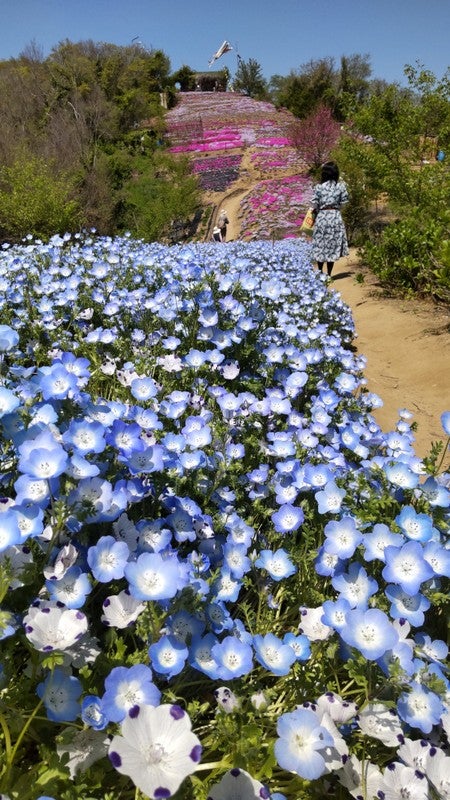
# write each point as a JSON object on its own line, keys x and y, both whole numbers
{"x": 308, "y": 223}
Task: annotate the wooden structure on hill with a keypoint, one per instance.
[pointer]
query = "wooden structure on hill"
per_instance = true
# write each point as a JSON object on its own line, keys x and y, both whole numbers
{"x": 211, "y": 81}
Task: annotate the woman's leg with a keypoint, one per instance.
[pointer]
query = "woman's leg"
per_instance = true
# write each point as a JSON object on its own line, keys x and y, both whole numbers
{"x": 330, "y": 265}
{"x": 320, "y": 265}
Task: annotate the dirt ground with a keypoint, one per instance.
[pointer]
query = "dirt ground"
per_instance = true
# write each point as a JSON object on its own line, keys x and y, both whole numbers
{"x": 406, "y": 342}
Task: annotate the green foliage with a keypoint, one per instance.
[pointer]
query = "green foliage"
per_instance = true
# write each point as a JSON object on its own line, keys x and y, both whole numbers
{"x": 249, "y": 79}
{"x": 34, "y": 200}
{"x": 161, "y": 193}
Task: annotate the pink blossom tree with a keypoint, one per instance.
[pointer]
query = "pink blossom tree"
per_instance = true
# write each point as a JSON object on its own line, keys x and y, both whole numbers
{"x": 315, "y": 136}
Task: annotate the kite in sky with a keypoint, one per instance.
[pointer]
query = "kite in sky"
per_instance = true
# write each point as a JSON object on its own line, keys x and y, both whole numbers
{"x": 224, "y": 48}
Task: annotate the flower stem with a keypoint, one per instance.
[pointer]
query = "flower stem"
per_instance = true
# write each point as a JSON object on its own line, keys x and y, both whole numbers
{"x": 13, "y": 750}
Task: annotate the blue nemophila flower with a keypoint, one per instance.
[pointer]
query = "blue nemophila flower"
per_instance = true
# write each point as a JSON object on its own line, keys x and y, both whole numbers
{"x": 301, "y": 740}
{"x": 9, "y": 338}
{"x": 10, "y": 533}
{"x": 375, "y": 543}
{"x": 71, "y": 589}
{"x": 435, "y": 492}
{"x": 300, "y": 645}
{"x": 126, "y": 688}
{"x": 235, "y": 559}
{"x": 156, "y": 749}
{"x": 238, "y": 784}
{"x": 288, "y": 518}
{"x": 226, "y": 588}
{"x": 329, "y": 500}
{"x": 355, "y": 585}
{"x": 407, "y": 606}
{"x": 42, "y": 457}
{"x": 85, "y": 436}
{"x": 56, "y": 382}
{"x": 168, "y": 655}
{"x": 107, "y": 559}
{"x": 233, "y": 657}
{"x": 8, "y": 401}
{"x": 272, "y": 654}
{"x": 153, "y": 577}
{"x": 92, "y": 713}
{"x": 418, "y": 527}
{"x": 433, "y": 649}
{"x": 370, "y": 632}
{"x": 400, "y": 474}
{"x": 445, "y": 422}
{"x": 201, "y": 657}
{"x": 342, "y": 537}
{"x": 143, "y": 389}
{"x": 407, "y": 567}
{"x": 144, "y": 459}
{"x": 124, "y": 436}
{"x": 60, "y": 693}
{"x": 277, "y": 564}
{"x": 334, "y": 613}
{"x": 438, "y": 558}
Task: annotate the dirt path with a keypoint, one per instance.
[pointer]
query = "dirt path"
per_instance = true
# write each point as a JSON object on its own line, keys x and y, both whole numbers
{"x": 406, "y": 343}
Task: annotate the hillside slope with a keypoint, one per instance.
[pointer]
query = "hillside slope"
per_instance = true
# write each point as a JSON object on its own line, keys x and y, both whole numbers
{"x": 241, "y": 149}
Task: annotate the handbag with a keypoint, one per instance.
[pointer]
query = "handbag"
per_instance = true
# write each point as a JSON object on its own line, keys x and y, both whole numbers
{"x": 308, "y": 223}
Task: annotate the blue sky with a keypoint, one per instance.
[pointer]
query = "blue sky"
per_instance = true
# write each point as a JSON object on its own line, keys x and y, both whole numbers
{"x": 281, "y": 35}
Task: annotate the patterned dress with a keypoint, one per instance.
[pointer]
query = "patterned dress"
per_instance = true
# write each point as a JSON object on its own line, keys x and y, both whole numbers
{"x": 329, "y": 240}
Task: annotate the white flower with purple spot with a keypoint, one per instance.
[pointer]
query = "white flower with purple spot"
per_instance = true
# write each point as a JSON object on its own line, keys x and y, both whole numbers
{"x": 156, "y": 749}
{"x": 50, "y": 626}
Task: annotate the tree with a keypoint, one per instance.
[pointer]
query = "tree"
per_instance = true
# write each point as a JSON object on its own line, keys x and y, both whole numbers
{"x": 185, "y": 77}
{"x": 249, "y": 79}
{"x": 304, "y": 90}
{"x": 315, "y": 137}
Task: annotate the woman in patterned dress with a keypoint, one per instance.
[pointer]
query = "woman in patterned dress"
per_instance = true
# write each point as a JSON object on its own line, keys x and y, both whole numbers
{"x": 329, "y": 240}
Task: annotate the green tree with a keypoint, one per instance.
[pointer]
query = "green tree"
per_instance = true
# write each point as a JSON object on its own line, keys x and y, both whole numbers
{"x": 36, "y": 200}
{"x": 249, "y": 79}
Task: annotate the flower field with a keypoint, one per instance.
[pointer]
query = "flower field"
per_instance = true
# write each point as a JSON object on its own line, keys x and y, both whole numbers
{"x": 219, "y": 578}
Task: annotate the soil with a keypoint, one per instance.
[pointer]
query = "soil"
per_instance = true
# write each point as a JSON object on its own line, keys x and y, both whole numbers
{"x": 406, "y": 342}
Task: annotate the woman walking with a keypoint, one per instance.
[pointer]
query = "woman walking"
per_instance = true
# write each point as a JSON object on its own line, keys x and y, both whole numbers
{"x": 329, "y": 240}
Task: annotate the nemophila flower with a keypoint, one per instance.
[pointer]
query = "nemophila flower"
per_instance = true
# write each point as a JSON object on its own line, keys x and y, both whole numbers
{"x": 288, "y": 518}
{"x": 445, "y": 422}
{"x": 92, "y": 713}
{"x": 375, "y": 543}
{"x": 9, "y": 338}
{"x": 218, "y": 617}
{"x": 235, "y": 559}
{"x": 381, "y": 722}
{"x": 156, "y": 749}
{"x": 107, "y": 559}
{"x": 361, "y": 778}
{"x": 311, "y": 624}
{"x": 60, "y": 693}
{"x": 400, "y": 781}
{"x": 400, "y": 474}
{"x": 406, "y": 606}
{"x": 438, "y": 558}
{"x": 182, "y": 524}
{"x": 300, "y": 645}
{"x": 143, "y": 389}
{"x": 326, "y": 563}
{"x": 152, "y": 577}
{"x": 438, "y": 771}
{"x": 42, "y": 456}
{"x": 277, "y": 564}
{"x": 226, "y": 589}
{"x": 334, "y": 613}
{"x": 342, "y": 537}
{"x": 407, "y": 567}
{"x": 317, "y": 475}
{"x": 233, "y": 657}
{"x": 370, "y": 632}
{"x": 48, "y": 626}
{"x": 121, "y": 610}
{"x": 339, "y": 710}
{"x": 435, "y": 492}
{"x": 201, "y": 657}
{"x": 329, "y": 500}
{"x": 168, "y": 655}
{"x": 301, "y": 740}
{"x": 414, "y": 753}
{"x": 72, "y": 589}
{"x": 272, "y": 654}
{"x": 8, "y": 401}
{"x": 434, "y": 649}
{"x": 85, "y": 436}
{"x": 56, "y": 382}
{"x": 355, "y": 585}
{"x": 127, "y": 688}
{"x": 10, "y": 533}
{"x": 418, "y": 527}
{"x": 144, "y": 459}
{"x": 237, "y": 784}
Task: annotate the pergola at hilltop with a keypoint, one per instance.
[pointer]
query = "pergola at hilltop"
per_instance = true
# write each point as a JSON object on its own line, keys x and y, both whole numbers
{"x": 211, "y": 81}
